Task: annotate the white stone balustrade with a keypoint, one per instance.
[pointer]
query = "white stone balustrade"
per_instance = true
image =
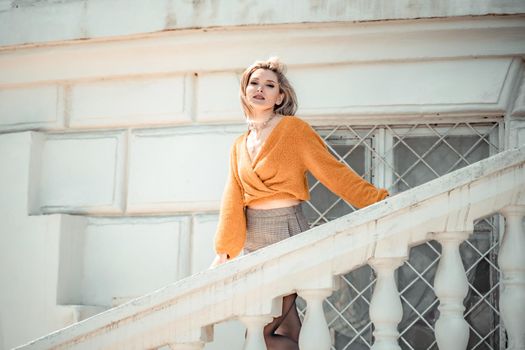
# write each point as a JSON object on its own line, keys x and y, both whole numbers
{"x": 512, "y": 264}
{"x": 451, "y": 287}
{"x": 306, "y": 263}
{"x": 385, "y": 308}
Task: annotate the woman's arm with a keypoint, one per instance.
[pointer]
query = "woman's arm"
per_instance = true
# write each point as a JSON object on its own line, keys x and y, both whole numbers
{"x": 231, "y": 230}
{"x": 338, "y": 177}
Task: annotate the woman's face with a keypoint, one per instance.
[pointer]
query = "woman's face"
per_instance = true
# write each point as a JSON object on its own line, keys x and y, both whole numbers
{"x": 262, "y": 91}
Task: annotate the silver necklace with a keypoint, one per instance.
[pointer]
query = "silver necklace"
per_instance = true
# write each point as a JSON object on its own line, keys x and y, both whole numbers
{"x": 253, "y": 125}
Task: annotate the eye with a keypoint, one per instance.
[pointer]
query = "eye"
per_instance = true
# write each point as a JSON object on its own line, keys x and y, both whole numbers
{"x": 253, "y": 82}
{"x": 271, "y": 85}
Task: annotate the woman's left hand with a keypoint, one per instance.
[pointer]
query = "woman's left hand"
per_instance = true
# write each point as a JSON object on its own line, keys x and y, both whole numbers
{"x": 219, "y": 259}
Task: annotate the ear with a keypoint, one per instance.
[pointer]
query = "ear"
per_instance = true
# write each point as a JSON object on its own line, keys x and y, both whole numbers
{"x": 280, "y": 99}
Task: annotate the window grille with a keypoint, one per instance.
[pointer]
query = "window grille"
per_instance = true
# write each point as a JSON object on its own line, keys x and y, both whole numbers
{"x": 400, "y": 157}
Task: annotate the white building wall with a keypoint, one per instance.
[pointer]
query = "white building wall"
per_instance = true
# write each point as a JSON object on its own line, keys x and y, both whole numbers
{"x": 29, "y": 251}
{"x": 114, "y": 150}
{"x": 124, "y": 259}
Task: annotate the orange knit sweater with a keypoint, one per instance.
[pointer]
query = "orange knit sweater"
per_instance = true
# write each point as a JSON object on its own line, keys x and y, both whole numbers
{"x": 279, "y": 172}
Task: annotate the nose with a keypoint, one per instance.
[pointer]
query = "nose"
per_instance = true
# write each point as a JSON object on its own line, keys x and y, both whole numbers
{"x": 259, "y": 88}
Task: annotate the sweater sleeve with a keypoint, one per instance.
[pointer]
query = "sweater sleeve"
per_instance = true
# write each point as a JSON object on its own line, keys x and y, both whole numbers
{"x": 231, "y": 230}
{"x": 338, "y": 177}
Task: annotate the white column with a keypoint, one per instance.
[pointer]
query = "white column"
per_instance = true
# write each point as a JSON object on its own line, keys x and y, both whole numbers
{"x": 255, "y": 326}
{"x": 314, "y": 331}
{"x": 385, "y": 308}
{"x": 512, "y": 264}
{"x": 451, "y": 287}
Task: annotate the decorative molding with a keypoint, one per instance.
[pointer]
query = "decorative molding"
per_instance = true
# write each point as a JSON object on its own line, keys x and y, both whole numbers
{"x": 123, "y": 102}
{"x": 32, "y": 107}
{"x": 182, "y": 184}
{"x": 70, "y": 164}
{"x": 334, "y": 43}
{"x": 73, "y": 20}
{"x": 432, "y": 69}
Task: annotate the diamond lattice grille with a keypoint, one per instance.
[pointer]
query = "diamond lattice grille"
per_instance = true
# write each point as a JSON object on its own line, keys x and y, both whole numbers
{"x": 398, "y": 158}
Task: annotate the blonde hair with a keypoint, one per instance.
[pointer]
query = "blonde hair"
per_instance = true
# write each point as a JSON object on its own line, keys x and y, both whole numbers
{"x": 288, "y": 106}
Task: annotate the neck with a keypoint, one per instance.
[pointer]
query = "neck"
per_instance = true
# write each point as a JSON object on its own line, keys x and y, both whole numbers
{"x": 261, "y": 116}
{"x": 261, "y": 123}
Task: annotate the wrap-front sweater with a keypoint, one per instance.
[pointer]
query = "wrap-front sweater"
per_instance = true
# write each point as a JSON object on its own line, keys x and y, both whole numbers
{"x": 279, "y": 172}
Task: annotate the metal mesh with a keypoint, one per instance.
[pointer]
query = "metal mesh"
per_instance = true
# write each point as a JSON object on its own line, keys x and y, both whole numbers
{"x": 400, "y": 157}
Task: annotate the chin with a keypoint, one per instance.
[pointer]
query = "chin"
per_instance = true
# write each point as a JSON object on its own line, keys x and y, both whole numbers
{"x": 260, "y": 106}
{"x": 259, "y": 102}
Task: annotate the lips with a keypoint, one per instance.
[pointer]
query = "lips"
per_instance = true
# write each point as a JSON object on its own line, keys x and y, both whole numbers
{"x": 258, "y": 97}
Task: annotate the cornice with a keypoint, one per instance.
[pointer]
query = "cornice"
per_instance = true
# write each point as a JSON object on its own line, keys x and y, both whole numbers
{"x": 231, "y": 49}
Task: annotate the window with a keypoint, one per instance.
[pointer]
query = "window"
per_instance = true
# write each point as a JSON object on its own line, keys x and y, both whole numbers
{"x": 400, "y": 157}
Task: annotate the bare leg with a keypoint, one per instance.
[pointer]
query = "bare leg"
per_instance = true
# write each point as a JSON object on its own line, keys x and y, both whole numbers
{"x": 283, "y": 332}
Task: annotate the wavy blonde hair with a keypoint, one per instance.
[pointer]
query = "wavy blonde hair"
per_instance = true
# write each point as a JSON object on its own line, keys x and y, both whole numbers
{"x": 289, "y": 104}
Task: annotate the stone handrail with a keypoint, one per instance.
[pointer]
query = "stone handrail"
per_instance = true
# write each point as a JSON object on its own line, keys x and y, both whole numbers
{"x": 250, "y": 288}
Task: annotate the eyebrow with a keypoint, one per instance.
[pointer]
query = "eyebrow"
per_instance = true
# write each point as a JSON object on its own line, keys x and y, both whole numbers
{"x": 269, "y": 80}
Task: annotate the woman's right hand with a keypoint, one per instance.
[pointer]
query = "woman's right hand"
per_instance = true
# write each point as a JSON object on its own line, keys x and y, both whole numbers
{"x": 219, "y": 259}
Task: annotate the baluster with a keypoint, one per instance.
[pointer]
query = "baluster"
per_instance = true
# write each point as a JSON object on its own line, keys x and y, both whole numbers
{"x": 451, "y": 287}
{"x": 315, "y": 334}
{"x": 385, "y": 308}
{"x": 512, "y": 264}
{"x": 255, "y": 326}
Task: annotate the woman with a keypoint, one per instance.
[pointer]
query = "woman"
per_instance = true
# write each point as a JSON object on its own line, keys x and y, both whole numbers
{"x": 267, "y": 182}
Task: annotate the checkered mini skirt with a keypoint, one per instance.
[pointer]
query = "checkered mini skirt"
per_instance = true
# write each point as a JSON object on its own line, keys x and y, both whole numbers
{"x": 268, "y": 226}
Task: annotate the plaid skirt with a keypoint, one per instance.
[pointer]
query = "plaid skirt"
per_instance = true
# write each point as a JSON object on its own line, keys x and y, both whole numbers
{"x": 268, "y": 226}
